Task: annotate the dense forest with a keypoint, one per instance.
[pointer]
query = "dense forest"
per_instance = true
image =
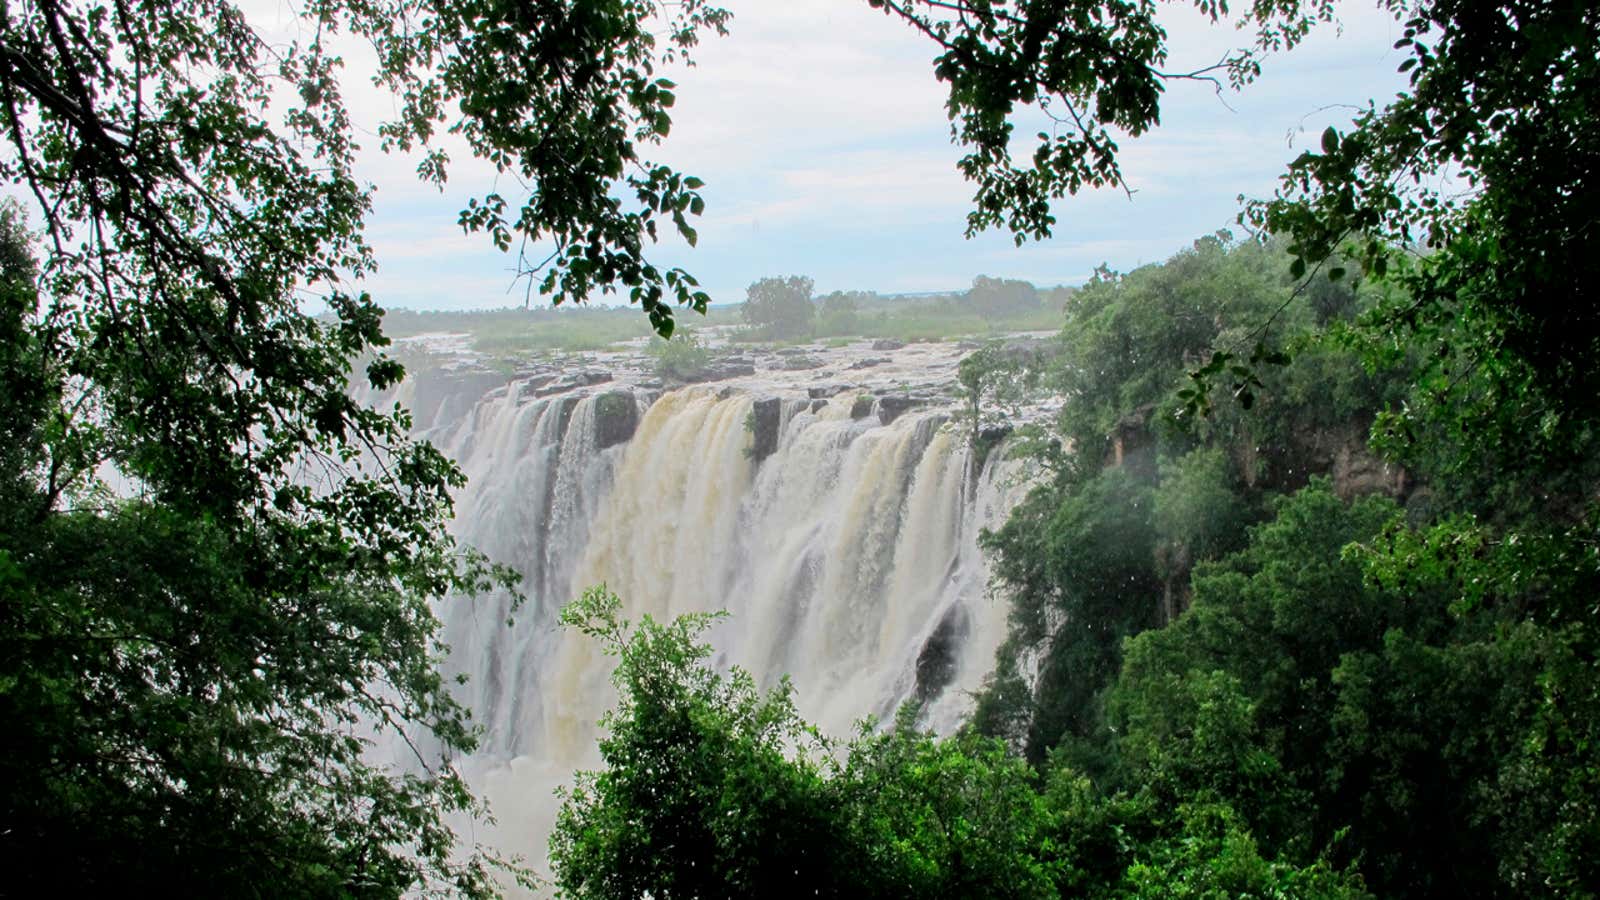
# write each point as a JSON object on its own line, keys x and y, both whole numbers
{"x": 1305, "y": 606}
{"x": 1252, "y": 654}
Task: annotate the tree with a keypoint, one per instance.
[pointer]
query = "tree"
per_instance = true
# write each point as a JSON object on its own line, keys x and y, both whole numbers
{"x": 995, "y": 380}
{"x": 219, "y": 570}
{"x": 840, "y": 313}
{"x": 711, "y": 787}
{"x": 780, "y": 308}
{"x": 994, "y": 298}
{"x": 189, "y": 659}
{"x": 681, "y": 357}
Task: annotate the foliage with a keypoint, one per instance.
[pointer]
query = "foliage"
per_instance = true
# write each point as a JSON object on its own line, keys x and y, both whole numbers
{"x": 779, "y": 308}
{"x": 698, "y": 797}
{"x": 1290, "y": 690}
{"x": 997, "y": 297}
{"x": 712, "y": 788}
{"x": 1214, "y": 855}
{"x": 995, "y": 380}
{"x": 681, "y": 357}
{"x": 839, "y": 314}
{"x": 1198, "y": 512}
{"x": 1085, "y": 561}
{"x": 1094, "y": 69}
{"x": 1142, "y": 495}
{"x": 958, "y": 817}
{"x": 199, "y": 625}
{"x": 1130, "y": 339}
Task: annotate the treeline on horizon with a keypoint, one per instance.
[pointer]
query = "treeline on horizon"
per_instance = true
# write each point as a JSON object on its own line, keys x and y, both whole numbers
{"x": 1289, "y": 637}
{"x": 787, "y": 309}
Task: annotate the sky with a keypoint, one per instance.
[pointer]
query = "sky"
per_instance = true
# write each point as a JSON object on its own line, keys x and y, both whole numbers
{"x": 820, "y": 132}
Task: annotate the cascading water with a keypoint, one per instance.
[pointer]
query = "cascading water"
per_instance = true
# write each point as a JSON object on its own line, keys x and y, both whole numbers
{"x": 839, "y": 534}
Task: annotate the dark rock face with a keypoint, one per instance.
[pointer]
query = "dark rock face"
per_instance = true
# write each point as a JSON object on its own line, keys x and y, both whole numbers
{"x": 891, "y": 408}
{"x": 994, "y": 434}
{"x": 936, "y": 664}
{"x": 826, "y": 390}
{"x": 863, "y": 406}
{"x": 799, "y": 363}
{"x": 585, "y": 378}
{"x": 766, "y": 417}
{"x": 887, "y": 344}
{"x": 616, "y": 416}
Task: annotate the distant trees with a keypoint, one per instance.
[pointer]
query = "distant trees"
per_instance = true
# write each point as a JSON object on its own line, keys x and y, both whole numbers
{"x": 841, "y": 312}
{"x": 780, "y": 308}
{"x": 993, "y": 298}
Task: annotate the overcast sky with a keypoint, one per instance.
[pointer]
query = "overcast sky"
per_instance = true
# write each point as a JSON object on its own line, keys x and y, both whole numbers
{"x": 820, "y": 132}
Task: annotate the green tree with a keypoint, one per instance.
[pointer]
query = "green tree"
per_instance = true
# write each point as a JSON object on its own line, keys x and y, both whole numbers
{"x": 218, "y": 570}
{"x": 995, "y": 381}
{"x": 710, "y": 787}
{"x": 779, "y": 308}
{"x": 1080, "y": 575}
{"x": 996, "y": 298}
{"x": 840, "y": 313}
{"x": 193, "y": 650}
{"x": 681, "y": 357}
{"x": 1346, "y": 718}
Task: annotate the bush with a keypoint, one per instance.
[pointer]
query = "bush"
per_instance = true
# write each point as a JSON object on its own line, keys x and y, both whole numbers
{"x": 681, "y": 358}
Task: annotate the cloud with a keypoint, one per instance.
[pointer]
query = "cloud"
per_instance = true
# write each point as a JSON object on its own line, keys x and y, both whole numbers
{"x": 821, "y": 133}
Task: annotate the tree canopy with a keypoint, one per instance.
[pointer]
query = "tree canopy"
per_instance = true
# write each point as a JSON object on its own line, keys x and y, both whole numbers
{"x": 219, "y": 569}
{"x": 780, "y": 308}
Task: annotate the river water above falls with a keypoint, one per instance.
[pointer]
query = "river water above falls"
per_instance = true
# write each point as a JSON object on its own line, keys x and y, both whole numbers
{"x": 824, "y": 500}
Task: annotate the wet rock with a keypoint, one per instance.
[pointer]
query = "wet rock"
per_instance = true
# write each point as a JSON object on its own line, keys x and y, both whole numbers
{"x": 800, "y": 363}
{"x": 720, "y": 371}
{"x": 571, "y": 382}
{"x": 766, "y": 416}
{"x": 868, "y": 363}
{"x": 826, "y": 390}
{"x": 936, "y": 664}
{"x": 891, "y": 408}
{"x": 887, "y": 344}
{"x": 863, "y": 406}
{"x": 615, "y": 418}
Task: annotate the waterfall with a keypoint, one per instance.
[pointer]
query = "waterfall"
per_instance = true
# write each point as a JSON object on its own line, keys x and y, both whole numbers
{"x": 840, "y": 536}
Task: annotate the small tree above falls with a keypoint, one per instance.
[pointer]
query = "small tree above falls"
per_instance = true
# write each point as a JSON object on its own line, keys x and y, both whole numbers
{"x": 780, "y": 308}
{"x": 994, "y": 298}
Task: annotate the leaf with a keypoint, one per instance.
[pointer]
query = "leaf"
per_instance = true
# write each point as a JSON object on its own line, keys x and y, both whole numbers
{"x": 1330, "y": 141}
